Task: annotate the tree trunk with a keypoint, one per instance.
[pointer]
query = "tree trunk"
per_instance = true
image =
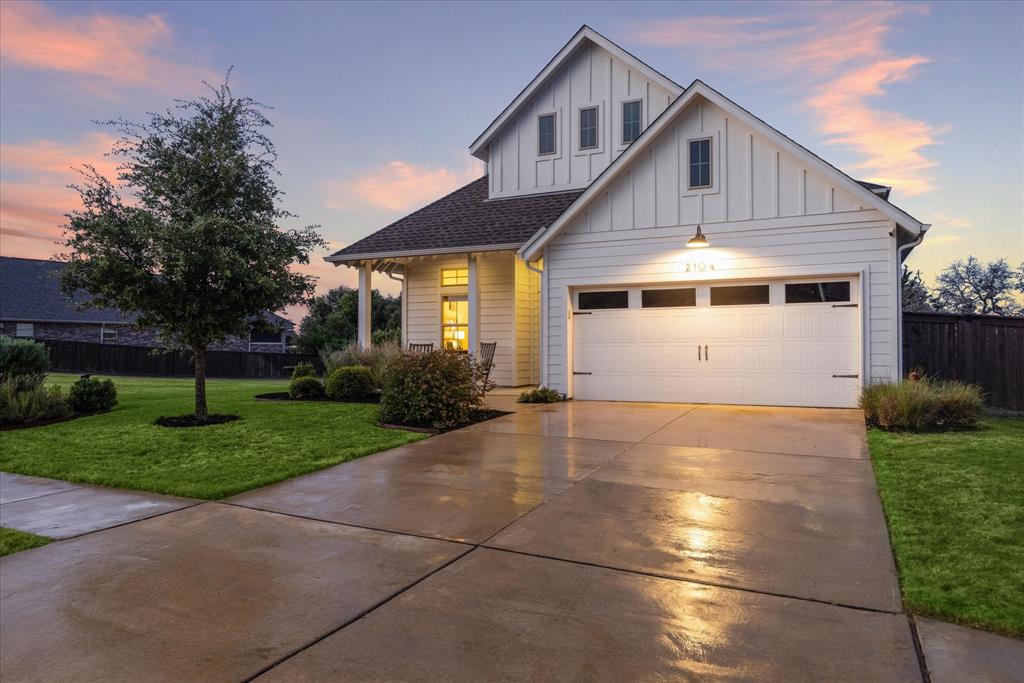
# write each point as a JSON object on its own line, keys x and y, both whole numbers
{"x": 200, "y": 356}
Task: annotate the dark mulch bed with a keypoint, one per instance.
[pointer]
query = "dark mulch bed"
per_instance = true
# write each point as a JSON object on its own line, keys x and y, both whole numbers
{"x": 283, "y": 396}
{"x": 475, "y": 417}
{"x": 193, "y": 421}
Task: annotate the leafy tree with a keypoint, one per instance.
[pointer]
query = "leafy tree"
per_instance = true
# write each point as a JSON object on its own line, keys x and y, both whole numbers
{"x": 195, "y": 250}
{"x": 916, "y": 296}
{"x": 333, "y": 318}
{"x": 969, "y": 286}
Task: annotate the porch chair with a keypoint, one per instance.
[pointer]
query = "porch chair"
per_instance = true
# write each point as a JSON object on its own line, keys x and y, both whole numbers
{"x": 487, "y": 358}
{"x": 421, "y": 348}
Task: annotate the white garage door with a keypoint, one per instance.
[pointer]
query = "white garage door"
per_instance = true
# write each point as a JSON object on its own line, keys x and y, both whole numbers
{"x": 791, "y": 342}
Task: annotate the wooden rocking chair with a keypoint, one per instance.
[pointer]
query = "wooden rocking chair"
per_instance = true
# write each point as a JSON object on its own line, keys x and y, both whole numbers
{"x": 421, "y": 348}
{"x": 487, "y": 358}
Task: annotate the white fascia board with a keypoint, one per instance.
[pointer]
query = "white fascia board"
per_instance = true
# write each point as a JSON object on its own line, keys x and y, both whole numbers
{"x": 355, "y": 259}
{"x": 479, "y": 146}
{"x": 696, "y": 89}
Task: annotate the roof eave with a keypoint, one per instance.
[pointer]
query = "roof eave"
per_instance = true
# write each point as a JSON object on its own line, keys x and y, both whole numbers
{"x": 356, "y": 259}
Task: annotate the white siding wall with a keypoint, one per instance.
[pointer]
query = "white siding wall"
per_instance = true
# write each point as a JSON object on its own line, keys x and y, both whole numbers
{"x": 591, "y": 77}
{"x": 501, "y": 318}
{"x": 527, "y": 324}
{"x": 766, "y": 217}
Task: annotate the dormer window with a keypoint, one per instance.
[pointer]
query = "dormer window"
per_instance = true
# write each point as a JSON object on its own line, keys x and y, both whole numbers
{"x": 631, "y": 120}
{"x": 546, "y": 134}
{"x": 700, "y": 163}
{"x": 588, "y": 128}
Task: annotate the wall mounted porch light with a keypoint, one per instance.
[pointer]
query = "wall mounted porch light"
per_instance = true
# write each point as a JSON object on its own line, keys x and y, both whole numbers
{"x": 698, "y": 241}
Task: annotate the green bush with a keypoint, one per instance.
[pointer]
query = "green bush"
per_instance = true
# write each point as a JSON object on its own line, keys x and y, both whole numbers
{"x": 92, "y": 395}
{"x": 304, "y": 370}
{"x": 922, "y": 405}
{"x": 23, "y": 362}
{"x": 437, "y": 389}
{"x": 377, "y": 358}
{"x": 34, "y": 404}
{"x": 541, "y": 395}
{"x": 306, "y": 387}
{"x": 351, "y": 383}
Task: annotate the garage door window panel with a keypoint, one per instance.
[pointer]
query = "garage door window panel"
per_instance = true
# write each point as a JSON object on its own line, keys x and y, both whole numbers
{"x": 668, "y": 298}
{"x": 595, "y": 301}
{"x": 740, "y": 295}
{"x": 817, "y": 292}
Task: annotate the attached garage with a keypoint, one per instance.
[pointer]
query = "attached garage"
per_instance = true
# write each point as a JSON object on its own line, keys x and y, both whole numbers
{"x": 779, "y": 342}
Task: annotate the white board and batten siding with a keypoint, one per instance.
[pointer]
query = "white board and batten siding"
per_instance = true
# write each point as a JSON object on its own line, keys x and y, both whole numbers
{"x": 505, "y": 302}
{"x": 592, "y": 77}
{"x": 768, "y": 217}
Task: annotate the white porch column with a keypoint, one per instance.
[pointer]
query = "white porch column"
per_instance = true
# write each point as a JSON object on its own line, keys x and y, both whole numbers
{"x": 473, "y": 291}
{"x": 365, "y": 288}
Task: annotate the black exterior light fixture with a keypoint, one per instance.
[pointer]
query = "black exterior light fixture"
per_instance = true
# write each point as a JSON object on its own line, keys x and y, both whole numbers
{"x": 698, "y": 241}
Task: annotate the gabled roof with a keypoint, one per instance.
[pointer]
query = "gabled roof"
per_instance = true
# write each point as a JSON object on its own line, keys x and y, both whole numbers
{"x": 532, "y": 248}
{"x": 30, "y": 292}
{"x": 465, "y": 220}
{"x": 479, "y": 146}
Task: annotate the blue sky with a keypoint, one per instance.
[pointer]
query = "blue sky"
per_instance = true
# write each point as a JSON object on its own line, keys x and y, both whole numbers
{"x": 376, "y": 104}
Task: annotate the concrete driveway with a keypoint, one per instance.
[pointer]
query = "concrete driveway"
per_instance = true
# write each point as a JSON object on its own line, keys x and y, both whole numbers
{"x": 574, "y": 541}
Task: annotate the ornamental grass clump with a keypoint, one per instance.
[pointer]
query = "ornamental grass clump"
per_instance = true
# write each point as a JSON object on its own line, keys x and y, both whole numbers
{"x": 436, "y": 390}
{"x": 23, "y": 362}
{"x": 377, "y": 358}
{"x": 922, "y": 404}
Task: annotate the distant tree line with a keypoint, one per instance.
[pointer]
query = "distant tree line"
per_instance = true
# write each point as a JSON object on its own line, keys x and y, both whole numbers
{"x": 333, "y": 318}
{"x": 967, "y": 286}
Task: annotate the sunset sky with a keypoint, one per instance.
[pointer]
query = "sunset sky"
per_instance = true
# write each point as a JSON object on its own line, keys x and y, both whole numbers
{"x": 375, "y": 105}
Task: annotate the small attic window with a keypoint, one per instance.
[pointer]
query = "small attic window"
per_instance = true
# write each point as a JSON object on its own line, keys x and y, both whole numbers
{"x": 588, "y": 128}
{"x": 631, "y": 120}
{"x": 546, "y": 134}
{"x": 700, "y": 163}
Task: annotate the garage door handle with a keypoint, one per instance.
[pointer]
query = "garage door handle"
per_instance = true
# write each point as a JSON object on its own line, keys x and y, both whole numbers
{"x": 844, "y": 305}
{"x": 706, "y": 356}
{"x": 698, "y": 351}
{"x": 581, "y": 373}
{"x": 847, "y": 376}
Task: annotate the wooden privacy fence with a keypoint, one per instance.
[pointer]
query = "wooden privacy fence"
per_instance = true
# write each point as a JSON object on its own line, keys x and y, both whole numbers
{"x": 117, "y": 359}
{"x": 980, "y": 349}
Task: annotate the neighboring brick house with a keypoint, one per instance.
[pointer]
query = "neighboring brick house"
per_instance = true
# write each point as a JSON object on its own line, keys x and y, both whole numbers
{"x": 33, "y": 305}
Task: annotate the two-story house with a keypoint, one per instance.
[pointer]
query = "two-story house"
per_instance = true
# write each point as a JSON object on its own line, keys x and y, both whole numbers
{"x": 637, "y": 240}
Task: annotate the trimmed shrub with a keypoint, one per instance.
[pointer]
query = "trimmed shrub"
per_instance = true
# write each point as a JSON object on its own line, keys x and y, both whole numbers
{"x": 351, "y": 383}
{"x": 92, "y": 395}
{"x": 304, "y": 370}
{"x": 305, "y": 387}
{"x": 23, "y": 362}
{"x": 377, "y": 358}
{"x": 922, "y": 405}
{"x": 35, "y": 404}
{"x": 437, "y": 389}
{"x": 541, "y": 395}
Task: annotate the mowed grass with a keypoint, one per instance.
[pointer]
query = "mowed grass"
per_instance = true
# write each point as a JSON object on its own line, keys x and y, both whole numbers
{"x": 12, "y": 541}
{"x": 955, "y": 504}
{"x": 274, "y": 440}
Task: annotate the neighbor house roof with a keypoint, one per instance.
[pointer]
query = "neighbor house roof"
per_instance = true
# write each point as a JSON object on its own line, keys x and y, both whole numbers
{"x": 465, "y": 220}
{"x": 586, "y": 34}
{"x": 30, "y": 292}
{"x": 532, "y": 249}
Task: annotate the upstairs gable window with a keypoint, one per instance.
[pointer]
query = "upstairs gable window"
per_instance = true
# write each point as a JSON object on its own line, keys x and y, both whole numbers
{"x": 546, "y": 134}
{"x": 588, "y": 128}
{"x": 631, "y": 120}
{"x": 700, "y": 163}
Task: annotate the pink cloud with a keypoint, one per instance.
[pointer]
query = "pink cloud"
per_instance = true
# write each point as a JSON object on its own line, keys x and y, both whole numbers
{"x": 400, "y": 185}
{"x": 836, "y": 54}
{"x": 119, "y": 50}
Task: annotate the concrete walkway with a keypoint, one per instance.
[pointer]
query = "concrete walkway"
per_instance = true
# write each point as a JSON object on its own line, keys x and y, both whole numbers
{"x": 575, "y": 541}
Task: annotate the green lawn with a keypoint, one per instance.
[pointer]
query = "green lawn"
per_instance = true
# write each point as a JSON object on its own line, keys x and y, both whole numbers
{"x": 12, "y": 541}
{"x": 273, "y": 441}
{"x": 955, "y": 504}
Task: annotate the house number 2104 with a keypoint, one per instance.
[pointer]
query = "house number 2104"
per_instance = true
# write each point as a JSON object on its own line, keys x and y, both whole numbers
{"x": 698, "y": 266}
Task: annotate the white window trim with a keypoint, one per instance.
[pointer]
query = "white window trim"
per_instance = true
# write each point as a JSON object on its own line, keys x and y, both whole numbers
{"x": 557, "y": 154}
{"x": 599, "y": 149}
{"x": 622, "y": 120}
{"x": 716, "y": 157}
{"x": 103, "y": 330}
{"x": 440, "y": 278}
{"x": 711, "y": 162}
{"x": 727, "y": 283}
{"x": 457, "y": 296}
{"x": 814, "y": 281}
{"x": 31, "y": 330}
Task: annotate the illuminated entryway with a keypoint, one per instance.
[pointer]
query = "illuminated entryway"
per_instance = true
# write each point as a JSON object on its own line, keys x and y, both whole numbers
{"x": 780, "y": 342}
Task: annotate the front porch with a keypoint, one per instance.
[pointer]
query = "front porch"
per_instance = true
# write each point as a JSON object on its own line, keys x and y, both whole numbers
{"x": 458, "y": 301}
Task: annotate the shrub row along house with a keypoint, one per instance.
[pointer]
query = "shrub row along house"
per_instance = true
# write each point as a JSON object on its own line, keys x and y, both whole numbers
{"x": 32, "y": 305}
{"x": 577, "y": 251}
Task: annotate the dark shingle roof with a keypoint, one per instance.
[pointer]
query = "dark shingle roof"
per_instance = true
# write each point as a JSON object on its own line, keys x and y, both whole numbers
{"x": 881, "y": 190}
{"x": 465, "y": 218}
{"x": 30, "y": 291}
